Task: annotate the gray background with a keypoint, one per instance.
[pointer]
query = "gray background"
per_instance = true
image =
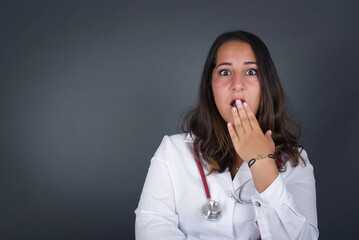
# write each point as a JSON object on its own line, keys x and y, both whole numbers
{"x": 89, "y": 88}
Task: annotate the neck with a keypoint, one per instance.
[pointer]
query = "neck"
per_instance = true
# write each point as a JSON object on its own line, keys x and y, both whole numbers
{"x": 237, "y": 164}
{"x": 239, "y": 161}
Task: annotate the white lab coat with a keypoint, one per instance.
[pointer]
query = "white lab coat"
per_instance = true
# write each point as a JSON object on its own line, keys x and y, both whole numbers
{"x": 173, "y": 195}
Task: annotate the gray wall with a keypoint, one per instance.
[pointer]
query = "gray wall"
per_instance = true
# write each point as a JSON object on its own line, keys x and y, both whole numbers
{"x": 89, "y": 88}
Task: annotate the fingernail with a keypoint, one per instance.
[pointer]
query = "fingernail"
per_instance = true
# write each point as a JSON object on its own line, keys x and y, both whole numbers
{"x": 234, "y": 109}
{"x": 245, "y": 104}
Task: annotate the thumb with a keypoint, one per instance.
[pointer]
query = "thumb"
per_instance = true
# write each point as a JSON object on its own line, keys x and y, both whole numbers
{"x": 269, "y": 135}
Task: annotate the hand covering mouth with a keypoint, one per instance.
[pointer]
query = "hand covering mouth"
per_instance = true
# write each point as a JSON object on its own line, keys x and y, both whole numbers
{"x": 233, "y": 103}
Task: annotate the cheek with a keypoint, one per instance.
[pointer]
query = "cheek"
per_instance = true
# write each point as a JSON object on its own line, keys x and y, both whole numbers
{"x": 257, "y": 94}
{"x": 256, "y": 98}
{"x": 220, "y": 92}
{"x": 218, "y": 88}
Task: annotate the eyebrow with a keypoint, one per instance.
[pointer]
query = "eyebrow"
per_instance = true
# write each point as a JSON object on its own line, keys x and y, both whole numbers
{"x": 228, "y": 63}
{"x": 246, "y": 63}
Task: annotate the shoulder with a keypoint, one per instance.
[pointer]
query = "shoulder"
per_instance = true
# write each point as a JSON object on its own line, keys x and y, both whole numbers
{"x": 176, "y": 153}
{"x": 179, "y": 138}
{"x": 174, "y": 144}
{"x": 302, "y": 163}
{"x": 303, "y": 170}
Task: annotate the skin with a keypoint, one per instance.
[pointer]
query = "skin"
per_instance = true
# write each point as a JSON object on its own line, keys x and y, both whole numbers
{"x": 235, "y": 75}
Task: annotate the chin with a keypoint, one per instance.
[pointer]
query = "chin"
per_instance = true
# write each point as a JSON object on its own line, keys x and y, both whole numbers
{"x": 229, "y": 120}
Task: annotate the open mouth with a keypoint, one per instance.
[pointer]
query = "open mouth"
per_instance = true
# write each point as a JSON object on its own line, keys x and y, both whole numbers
{"x": 233, "y": 103}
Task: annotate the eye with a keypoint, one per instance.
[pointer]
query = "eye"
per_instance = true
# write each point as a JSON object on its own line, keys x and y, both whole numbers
{"x": 224, "y": 72}
{"x": 252, "y": 72}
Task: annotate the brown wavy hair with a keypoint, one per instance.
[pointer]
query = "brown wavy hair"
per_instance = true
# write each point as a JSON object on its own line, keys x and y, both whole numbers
{"x": 209, "y": 128}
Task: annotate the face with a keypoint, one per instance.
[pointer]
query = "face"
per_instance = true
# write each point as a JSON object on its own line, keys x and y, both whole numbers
{"x": 235, "y": 76}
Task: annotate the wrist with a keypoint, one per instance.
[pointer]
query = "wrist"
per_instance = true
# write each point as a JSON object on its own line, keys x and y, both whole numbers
{"x": 260, "y": 157}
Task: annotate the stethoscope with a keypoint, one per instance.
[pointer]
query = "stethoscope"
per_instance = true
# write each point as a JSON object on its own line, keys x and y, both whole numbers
{"x": 211, "y": 210}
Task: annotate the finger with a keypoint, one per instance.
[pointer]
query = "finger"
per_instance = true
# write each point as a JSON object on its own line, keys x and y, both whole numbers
{"x": 232, "y": 133}
{"x": 243, "y": 116}
{"x": 237, "y": 121}
{"x": 252, "y": 119}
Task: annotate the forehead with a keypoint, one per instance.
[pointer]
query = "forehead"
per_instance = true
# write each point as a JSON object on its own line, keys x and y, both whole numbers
{"x": 235, "y": 51}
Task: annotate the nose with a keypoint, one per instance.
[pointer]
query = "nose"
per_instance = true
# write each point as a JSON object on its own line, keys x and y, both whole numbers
{"x": 238, "y": 82}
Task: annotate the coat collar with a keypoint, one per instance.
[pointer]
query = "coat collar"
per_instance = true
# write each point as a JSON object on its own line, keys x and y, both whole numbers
{"x": 190, "y": 138}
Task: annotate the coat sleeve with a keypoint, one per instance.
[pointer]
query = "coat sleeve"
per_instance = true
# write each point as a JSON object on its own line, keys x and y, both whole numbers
{"x": 156, "y": 216}
{"x": 288, "y": 210}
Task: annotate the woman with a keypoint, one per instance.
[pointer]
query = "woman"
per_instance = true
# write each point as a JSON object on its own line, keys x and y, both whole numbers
{"x": 259, "y": 177}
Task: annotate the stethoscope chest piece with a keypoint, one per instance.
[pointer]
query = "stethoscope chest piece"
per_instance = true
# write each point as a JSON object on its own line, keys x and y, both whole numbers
{"x": 211, "y": 210}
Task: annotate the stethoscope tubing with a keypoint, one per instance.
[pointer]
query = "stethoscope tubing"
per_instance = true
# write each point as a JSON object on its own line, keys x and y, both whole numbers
{"x": 200, "y": 168}
{"x": 211, "y": 210}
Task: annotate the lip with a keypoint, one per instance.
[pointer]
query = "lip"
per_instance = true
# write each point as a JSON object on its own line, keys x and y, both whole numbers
{"x": 233, "y": 102}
